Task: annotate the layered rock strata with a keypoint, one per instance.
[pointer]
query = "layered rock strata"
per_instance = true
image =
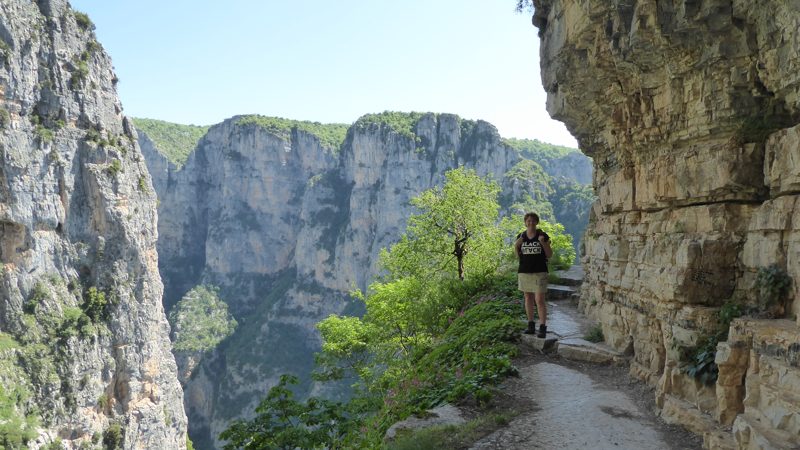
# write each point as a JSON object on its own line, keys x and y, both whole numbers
{"x": 85, "y": 349}
{"x": 689, "y": 111}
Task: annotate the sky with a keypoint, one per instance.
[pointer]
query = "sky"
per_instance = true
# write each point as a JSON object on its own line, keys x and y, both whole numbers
{"x": 200, "y": 62}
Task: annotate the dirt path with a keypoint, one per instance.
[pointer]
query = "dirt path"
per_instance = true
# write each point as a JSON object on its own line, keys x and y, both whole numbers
{"x": 565, "y": 404}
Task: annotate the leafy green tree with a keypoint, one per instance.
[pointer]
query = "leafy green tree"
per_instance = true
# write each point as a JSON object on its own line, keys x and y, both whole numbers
{"x": 561, "y": 243}
{"x": 455, "y": 230}
{"x": 282, "y": 422}
{"x": 200, "y": 320}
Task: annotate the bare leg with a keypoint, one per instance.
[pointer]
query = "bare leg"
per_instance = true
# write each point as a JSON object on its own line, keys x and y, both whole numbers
{"x": 541, "y": 306}
{"x": 529, "y": 305}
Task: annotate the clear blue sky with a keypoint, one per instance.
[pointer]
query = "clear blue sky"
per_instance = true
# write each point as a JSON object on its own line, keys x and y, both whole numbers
{"x": 200, "y": 62}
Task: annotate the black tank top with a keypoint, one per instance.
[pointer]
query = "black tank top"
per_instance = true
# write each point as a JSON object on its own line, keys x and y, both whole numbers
{"x": 531, "y": 255}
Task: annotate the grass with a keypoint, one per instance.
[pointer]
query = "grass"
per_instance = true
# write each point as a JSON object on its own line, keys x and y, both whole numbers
{"x": 595, "y": 334}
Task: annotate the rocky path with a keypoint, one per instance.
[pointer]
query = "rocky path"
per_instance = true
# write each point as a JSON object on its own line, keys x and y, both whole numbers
{"x": 566, "y": 404}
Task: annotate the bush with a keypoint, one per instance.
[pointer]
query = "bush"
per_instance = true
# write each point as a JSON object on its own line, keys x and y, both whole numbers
{"x": 595, "y": 334}
{"x": 200, "y": 320}
{"x": 112, "y": 437}
{"x": 83, "y": 21}
{"x": 114, "y": 168}
{"x": 94, "y": 304}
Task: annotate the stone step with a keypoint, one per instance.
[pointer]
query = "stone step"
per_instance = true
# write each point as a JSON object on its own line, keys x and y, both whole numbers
{"x": 570, "y": 277}
{"x": 751, "y": 431}
{"x": 559, "y": 292}
{"x": 780, "y": 407}
{"x": 545, "y": 345}
{"x": 578, "y": 349}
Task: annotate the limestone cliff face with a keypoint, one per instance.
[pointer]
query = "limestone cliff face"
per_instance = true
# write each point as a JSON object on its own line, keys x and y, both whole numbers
{"x": 85, "y": 340}
{"x": 286, "y": 226}
{"x": 689, "y": 111}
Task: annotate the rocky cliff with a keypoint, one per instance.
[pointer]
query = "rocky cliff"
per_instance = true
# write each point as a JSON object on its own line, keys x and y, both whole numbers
{"x": 84, "y": 348}
{"x": 286, "y": 218}
{"x": 690, "y": 111}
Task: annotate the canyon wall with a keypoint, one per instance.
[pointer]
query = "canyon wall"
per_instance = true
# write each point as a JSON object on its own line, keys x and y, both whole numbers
{"x": 84, "y": 344}
{"x": 690, "y": 111}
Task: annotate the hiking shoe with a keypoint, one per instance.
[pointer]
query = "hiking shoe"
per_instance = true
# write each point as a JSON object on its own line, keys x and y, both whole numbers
{"x": 531, "y": 328}
{"x": 542, "y": 331}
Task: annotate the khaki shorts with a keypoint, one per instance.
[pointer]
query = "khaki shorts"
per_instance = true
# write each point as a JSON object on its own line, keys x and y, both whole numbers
{"x": 532, "y": 282}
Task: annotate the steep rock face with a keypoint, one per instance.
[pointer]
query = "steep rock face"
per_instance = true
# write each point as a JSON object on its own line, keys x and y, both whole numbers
{"x": 160, "y": 168}
{"x": 688, "y": 109}
{"x": 85, "y": 336}
{"x": 286, "y": 226}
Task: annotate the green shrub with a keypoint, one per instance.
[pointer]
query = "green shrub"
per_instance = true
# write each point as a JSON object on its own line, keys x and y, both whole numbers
{"x": 94, "y": 304}
{"x": 772, "y": 285}
{"x": 44, "y": 134}
{"x": 5, "y": 118}
{"x": 595, "y": 334}
{"x": 700, "y": 358}
{"x": 80, "y": 73}
{"x": 200, "y": 320}
{"x": 83, "y": 21}
{"x": 112, "y": 437}
{"x": 114, "y": 168}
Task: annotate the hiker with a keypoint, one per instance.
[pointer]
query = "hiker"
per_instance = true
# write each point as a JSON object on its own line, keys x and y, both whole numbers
{"x": 532, "y": 247}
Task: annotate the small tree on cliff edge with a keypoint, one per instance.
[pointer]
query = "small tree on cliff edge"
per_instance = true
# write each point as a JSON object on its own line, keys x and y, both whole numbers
{"x": 455, "y": 230}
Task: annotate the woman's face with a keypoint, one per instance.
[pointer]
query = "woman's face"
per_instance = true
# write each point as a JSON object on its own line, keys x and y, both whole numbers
{"x": 530, "y": 222}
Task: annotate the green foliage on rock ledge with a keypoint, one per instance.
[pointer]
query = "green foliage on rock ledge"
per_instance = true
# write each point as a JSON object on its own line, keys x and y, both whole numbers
{"x": 402, "y": 123}
{"x": 200, "y": 320}
{"x": 330, "y": 135}
{"x": 174, "y": 141}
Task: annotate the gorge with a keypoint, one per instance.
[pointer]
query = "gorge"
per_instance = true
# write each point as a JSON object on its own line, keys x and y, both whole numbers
{"x": 287, "y": 217}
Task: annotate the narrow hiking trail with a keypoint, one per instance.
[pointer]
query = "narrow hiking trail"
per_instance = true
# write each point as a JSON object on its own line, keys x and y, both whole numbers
{"x": 577, "y": 398}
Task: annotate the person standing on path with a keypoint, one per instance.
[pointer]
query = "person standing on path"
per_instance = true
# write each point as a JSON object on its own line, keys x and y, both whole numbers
{"x": 532, "y": 247}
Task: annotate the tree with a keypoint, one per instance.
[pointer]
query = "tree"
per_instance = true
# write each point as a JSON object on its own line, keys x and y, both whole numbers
{"x": 455, "y": 230}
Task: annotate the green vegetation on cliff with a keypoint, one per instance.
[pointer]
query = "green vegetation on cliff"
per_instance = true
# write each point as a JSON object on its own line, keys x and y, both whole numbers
{"x": 174, "y": 141}
{"x": 200, "y": 320}
{"x": 330, "y": 135}
{"x": 537, "y": 150}
{"x": 402, "y": 123}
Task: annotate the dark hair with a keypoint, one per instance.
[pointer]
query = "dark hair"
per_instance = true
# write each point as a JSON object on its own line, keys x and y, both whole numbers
{"x": 531, "y": 214}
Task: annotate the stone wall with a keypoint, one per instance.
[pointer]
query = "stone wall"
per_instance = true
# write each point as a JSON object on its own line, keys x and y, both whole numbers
{"x": 689, "y": 111}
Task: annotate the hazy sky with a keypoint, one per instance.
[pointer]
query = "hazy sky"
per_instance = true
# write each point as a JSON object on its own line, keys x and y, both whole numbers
{"x": 200, "y": 62}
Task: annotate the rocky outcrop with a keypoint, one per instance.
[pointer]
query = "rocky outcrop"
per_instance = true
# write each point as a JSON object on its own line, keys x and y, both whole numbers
{"x": 688, "y": 109}
{"x": 85, "y": 341}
